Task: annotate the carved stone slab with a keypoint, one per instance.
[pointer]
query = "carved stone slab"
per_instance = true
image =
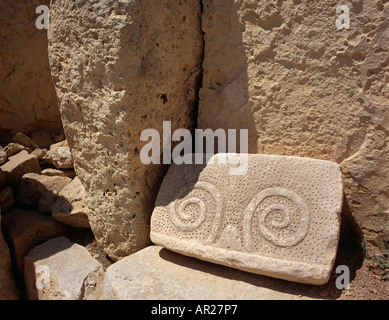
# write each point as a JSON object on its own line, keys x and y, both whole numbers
{"x": 281, "y": 218}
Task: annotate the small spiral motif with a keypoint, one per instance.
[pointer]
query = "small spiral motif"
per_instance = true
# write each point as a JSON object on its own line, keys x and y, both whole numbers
{"x": 189, "y": 212}
{"x": 268, "y": 229}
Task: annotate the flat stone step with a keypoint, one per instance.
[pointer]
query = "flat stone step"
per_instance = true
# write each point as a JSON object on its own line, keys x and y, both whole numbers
{"x": 156, "y": 273}
{"x": 279, "y": 217}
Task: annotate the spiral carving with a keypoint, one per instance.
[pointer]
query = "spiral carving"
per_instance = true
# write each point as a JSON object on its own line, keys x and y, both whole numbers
{"x": 277, "y": 209}
{"x": 190, "y": 209}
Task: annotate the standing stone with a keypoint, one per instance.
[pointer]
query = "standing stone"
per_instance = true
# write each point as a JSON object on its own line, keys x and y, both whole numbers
{"x": 303, "y": 87}
{"x": 62, "y": 270}
{"x": 27, "y": 96}
{"x": 137, "y": 63}
{"x": 280, "y": 217}
{"x": 8, "y": 289}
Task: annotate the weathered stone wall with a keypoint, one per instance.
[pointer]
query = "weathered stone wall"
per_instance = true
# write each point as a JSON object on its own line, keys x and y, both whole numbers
{"x": 28, "y": 101}
{"x": 283, "y": 70}
{"x": 121, "y": 67}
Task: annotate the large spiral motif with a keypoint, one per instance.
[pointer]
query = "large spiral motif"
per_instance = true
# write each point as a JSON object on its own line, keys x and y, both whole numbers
{"x": 189, "y": 211}
{"x": 290, "y": 210}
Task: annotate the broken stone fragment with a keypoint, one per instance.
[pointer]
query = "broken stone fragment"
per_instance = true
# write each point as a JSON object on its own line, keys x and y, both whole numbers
{"x": 52, "y": 172}
{"x": 62, "y": 270}
{"x": 70, "y": 206}
{"x": 22, "y": 139}
{"x": 59, "y": 144}
{"x": 280, "y": 217}
{"x": 40, "y": 190}
{"x": 14, "y": 148}
{"x": 17, "y": 166}
{"x": 62, "y": 173}
{"x": 39, "y": 153}
{"x": 60, "y": 158}
{"x": 27, "y": 228}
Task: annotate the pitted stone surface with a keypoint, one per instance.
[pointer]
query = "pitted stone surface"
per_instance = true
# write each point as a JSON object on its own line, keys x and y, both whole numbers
{"x": 281, "y": 218}
{"x": 137, "y": 63}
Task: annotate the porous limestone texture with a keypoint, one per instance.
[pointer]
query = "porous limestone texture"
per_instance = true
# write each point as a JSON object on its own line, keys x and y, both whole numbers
{"x": 303, "y": 87}
{"x": 62, "y": 270}
{"x": 28, "y": 100}
{"x": 155, "y": 273}
{"x": 281, "y": 218}
{"x": 122, "y": 67}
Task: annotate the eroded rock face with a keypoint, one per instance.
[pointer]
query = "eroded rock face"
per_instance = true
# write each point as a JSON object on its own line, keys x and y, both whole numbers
{"x": 302, "y": 87}
{"x": 135, "y": 65}
{"x": 27, "y": 96}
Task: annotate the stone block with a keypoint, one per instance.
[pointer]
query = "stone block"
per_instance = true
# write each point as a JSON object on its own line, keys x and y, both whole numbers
{"x": 281, "y": 218}
{"x": 22, "y": 139}
{"x": 60, "y": 158}
{"x": 17, "y": 166}
{"x": 27, "y": 228}
{"x": 40, "y": 191}
{"x": 156, "y": 273}
{"x": 62, "y": 270}
{"x": 70, "y": 206}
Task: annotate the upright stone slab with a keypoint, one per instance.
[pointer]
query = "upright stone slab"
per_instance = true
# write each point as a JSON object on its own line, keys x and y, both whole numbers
{"x": 304, "y": 87}
{"x": 27, "y": 96}
{"x": 280, "y": 218}
{"x": 121, "y": 68}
